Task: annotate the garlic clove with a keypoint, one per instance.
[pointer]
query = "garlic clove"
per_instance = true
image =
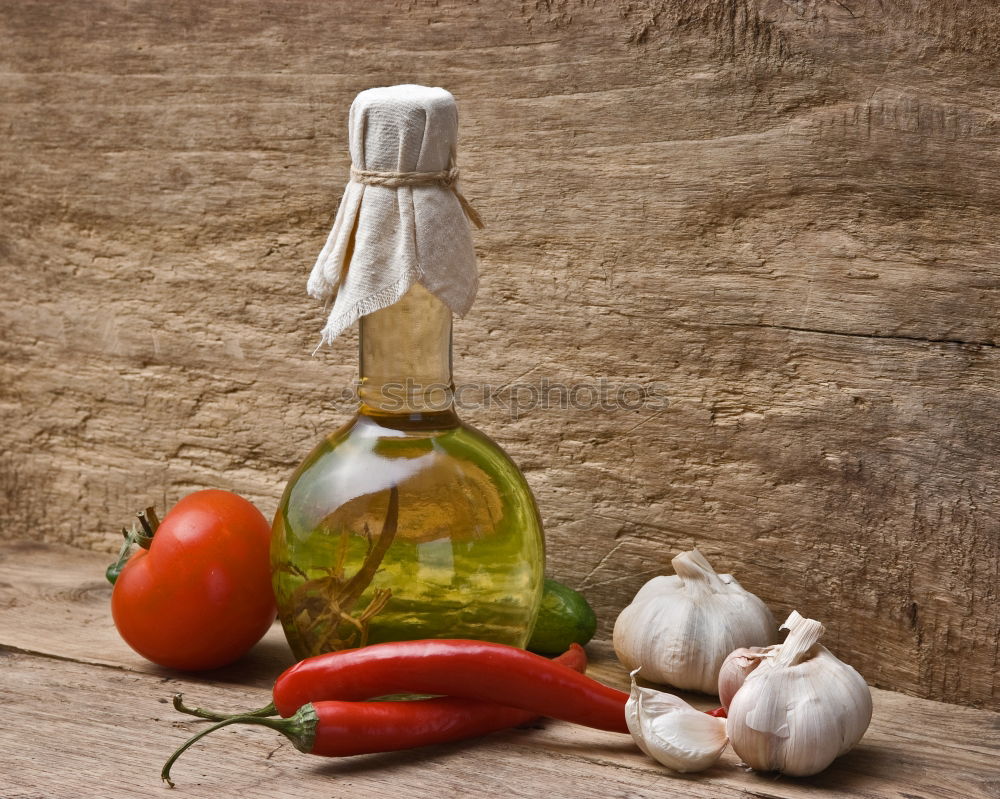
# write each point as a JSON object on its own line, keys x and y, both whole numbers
{"x": 735, "y": 668}
{"x": 673, "y": 733}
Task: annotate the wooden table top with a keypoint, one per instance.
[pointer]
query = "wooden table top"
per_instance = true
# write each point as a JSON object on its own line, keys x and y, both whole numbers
{"x": 85, "y": 716}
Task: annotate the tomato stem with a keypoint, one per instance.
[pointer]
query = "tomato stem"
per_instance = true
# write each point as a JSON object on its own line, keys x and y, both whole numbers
{"x": 211, "y": 715}
{"x": 141, "y": 536}
{"x": 149, "y": 521}
{"x": 299, "y": 728}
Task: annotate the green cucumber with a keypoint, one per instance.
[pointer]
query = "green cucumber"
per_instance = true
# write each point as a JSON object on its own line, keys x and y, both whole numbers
{"x": 564, "y": 617}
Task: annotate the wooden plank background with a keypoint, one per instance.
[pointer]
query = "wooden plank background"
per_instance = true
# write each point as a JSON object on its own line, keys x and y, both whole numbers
{"x": 781, "y": 216}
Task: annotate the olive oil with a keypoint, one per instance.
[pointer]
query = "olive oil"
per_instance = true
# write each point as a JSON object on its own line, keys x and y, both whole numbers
{"x": 406, "y": 523}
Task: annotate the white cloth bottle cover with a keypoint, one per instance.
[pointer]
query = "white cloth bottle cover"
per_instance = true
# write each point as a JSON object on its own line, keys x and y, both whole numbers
{"x": 402, "y": 208}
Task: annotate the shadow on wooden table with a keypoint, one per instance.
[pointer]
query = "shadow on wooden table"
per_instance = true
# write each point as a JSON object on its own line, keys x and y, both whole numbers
{"x": 850, "y": 775}
{"x": 258, "y": 668}
{"x": 499, "y": 742}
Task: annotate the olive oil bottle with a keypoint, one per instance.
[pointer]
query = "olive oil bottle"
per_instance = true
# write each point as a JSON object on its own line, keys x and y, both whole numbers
{"x": 405, "y": 523}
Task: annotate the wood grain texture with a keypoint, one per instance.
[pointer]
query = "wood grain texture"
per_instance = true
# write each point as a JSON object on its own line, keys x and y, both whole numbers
{"x": 781, "y": 215}
{"x": 55, "y": 601}
{"x": 109, "y": 711}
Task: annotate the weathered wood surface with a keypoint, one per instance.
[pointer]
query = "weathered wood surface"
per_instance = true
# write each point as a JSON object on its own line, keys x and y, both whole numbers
{"x": 111, "y": 726}
{"x": 781, "y": 214}
{"x": 54, "y": 601}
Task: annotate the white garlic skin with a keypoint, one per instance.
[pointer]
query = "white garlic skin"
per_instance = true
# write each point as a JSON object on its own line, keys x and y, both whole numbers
{"x": 673, "y": 733}
{"x": 679, "y": 629}
{"x": 735, "y": 668}
{"x": 796, "y": 719}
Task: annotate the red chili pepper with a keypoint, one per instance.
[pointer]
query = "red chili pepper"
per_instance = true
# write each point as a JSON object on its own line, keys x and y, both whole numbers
{"x": 340, "y": 728}
{"x": 456, "y": 668}
{"x": 719, "y": 712}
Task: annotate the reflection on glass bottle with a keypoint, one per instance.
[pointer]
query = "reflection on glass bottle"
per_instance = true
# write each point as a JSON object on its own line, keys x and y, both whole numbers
{"x": 406, "y": 523}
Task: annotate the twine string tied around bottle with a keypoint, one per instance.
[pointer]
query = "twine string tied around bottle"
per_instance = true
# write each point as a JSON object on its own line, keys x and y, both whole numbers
{"x": 446, "y": 178}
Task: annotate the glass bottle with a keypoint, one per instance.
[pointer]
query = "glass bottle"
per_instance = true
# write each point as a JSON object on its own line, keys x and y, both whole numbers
{"x": 406, "y": 523}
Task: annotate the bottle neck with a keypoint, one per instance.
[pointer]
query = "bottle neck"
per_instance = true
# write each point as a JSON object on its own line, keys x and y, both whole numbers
{"x": 405, "y": 357}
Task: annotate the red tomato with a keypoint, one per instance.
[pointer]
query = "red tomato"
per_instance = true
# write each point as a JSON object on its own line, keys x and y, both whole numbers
{"x": 201, "y": 595}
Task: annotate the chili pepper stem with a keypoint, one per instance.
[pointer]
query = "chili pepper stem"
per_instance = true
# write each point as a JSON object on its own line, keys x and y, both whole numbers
{"x": 299, "y": 728}
{"x": 211, "y": 715}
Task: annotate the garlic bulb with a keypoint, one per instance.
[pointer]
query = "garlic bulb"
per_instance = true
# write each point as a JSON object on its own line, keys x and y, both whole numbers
{"x": 800, "y": 708}
{"x": 735, "y": 668}
{"x": 679, "y": 629}
{"x": 672, "y": 732}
